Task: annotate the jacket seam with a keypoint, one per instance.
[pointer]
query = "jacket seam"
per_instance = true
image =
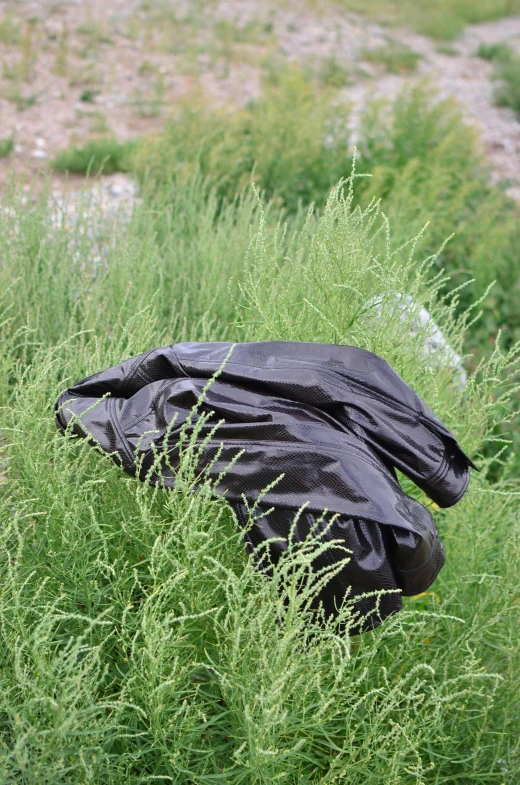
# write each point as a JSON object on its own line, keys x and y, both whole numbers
{"x": 117, "y": 426}
{"x": 326, "y": 372}
{"x": 296, "y": 445}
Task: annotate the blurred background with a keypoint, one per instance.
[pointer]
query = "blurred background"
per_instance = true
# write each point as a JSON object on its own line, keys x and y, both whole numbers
{"x": 75, "y": 72}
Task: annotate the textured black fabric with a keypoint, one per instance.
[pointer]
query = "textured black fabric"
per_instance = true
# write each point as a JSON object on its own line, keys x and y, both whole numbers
{"x": 334, "y": 420}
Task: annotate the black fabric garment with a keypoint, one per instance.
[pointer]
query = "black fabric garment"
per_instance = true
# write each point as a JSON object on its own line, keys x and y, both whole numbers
{"x": 334, "y": 420}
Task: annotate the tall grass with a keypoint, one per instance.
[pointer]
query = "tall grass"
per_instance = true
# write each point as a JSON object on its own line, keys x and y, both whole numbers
{"x": 138, "y": 642}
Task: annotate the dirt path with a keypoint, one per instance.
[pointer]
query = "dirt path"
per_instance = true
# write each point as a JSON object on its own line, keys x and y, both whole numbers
{"x": 73, "y": 70}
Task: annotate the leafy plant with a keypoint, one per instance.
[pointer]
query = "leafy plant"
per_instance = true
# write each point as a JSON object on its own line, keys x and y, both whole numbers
{"x": 89, "y": 95}
{"x": 292, "y": 141}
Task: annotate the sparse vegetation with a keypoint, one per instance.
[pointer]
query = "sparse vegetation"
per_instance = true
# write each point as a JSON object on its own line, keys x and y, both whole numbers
{"x": 10, "y": 29}
{"x": 508, "y": 91}
{"x": 149, "y": 101}
{"x": 17, "y": 94}
{"x": 331, "y": 72}
{"x": 393, "y": 56}
{"x": 447, "y": 49}
{"x": 89, "y": 95}
{"x": 6, "y": 145}
{"x": 500, "y": 52}
{"x": 62, "y": 54}
{"x": 440, "y": 19}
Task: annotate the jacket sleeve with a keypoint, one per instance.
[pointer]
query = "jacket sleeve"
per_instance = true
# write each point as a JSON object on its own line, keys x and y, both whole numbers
{"x": 128, "y": 377}
{"x": 92, "y": 405}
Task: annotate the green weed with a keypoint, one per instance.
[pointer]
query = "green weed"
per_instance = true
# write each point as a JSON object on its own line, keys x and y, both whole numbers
{"x": 105, "y": 155}
{"x": 507, "y": 71}
{"x": 62, "y": 53}
{"x": 149, "y": 101}
{"x": 6, "y": 146}
{"x": 10, "y": 29}
{"x": 89, "y": 95}
{"x": 396, "y": 58}
{"x": 447, "y": 49}
{"x": 18, "y": 95}
{"x": 424, "y": 163}
{"x": 495, "y": 52}
{"x": 95, "y": 32}
{"x": 331, "y": 72}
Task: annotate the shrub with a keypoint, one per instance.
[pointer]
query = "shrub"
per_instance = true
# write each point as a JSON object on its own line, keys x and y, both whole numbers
{"x": 494, "y": 52}
{"x": 105, "y": 155}
{"x": 508, "y": 92}
{"x": 138, "y": 641}
{"x": 292, "y": 141}
{"x": 426, "y": 165}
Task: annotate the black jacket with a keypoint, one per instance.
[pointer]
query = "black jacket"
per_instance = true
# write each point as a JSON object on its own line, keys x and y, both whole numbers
{"x": 334, "y": 421}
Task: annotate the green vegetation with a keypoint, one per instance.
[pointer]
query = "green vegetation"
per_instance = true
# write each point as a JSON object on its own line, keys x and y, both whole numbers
{"x": 495, "y": 52}
{"x": 294, "y": 139}
{"x": 10, "y": 32}
{"x": 441, "y": 19}
{"x": 508, "y": 92}
{"x": 105, "y": 155}
{"x": 507, "y": 71}
{"x": 425, "y": 164}
{"x": 138, "y": 643}
{"x": 6, "y": 146}
{"x": 447, "y": 49}
{"x": 331, "y": 72}
{"x": 89, "y": 95}
{"x": 393, "y": 56}
{"x": 423, "y": 160}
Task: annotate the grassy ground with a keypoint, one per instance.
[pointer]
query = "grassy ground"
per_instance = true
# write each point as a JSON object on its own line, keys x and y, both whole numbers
{"x": 442, "y": 19}
{"x": 138, "y": 644}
